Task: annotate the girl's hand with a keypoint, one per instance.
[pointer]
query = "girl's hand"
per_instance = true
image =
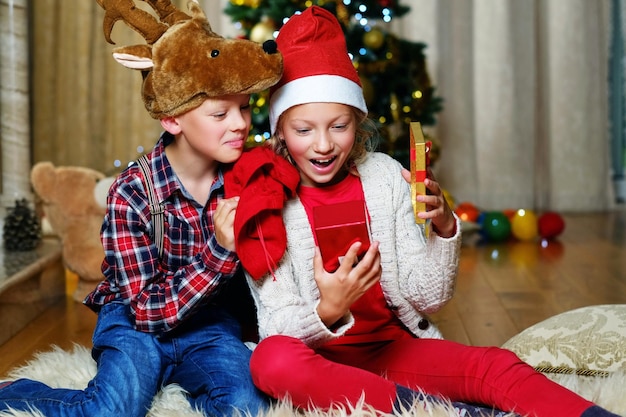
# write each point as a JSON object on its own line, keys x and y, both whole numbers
{"x": 224, "y": 220}
{"x": 340, "y": 289}
{"x": 437, "y": 208}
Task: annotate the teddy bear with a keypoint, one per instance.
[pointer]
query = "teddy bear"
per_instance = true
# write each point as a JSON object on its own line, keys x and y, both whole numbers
{"x": 72, "y": 201}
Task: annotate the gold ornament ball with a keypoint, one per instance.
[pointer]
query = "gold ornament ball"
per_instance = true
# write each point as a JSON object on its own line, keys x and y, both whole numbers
{"x": 248, "y": 3}
{"x": 524, "y": 225}
{"x": 262, "y": 32}
{"x": 374, "y": 39}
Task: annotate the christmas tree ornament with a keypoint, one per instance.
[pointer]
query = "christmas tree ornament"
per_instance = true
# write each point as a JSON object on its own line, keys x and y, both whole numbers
{"x": 262, "y": 31}
{"x": 496, "y": 226}
{"x": 509, "y": 213}
{"x": 246, "y": 3}
{"x": 524, "y": 225}
{"x": 550, "y": 225}
{"x": 467, "y": 212}
{"x": 374, "y": 39}
{"x": 343, "y": 14}
{"x": 21, "y": 230}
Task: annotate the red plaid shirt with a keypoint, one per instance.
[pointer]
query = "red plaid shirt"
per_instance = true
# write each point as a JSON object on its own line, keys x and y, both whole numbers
{"x": 161, "y": 292}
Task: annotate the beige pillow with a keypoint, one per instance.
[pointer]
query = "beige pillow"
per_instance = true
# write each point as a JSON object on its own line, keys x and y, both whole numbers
{"x": 586, "y": 341}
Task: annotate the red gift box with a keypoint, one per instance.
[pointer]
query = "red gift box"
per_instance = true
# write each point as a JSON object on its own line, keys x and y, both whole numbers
{"x": 337, "y": 227}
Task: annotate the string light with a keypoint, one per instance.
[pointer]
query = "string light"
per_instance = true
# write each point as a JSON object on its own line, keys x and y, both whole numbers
{"x": 117, "y": 163}
{"x": 386, "y": 15}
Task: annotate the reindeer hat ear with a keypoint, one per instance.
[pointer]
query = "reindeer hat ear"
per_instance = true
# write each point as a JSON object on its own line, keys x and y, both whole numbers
{"x": 184, "y": 62}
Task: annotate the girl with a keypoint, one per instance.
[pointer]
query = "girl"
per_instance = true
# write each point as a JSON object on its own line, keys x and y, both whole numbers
{"x": 330, "y": 337}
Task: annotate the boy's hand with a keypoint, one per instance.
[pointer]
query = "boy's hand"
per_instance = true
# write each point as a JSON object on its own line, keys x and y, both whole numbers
{"x": 437, "y": 208}
{"x": 340, "y": 289}
{"x": 224, "y": 220}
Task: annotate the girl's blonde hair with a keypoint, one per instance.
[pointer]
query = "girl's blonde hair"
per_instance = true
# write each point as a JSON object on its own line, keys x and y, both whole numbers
{"x": 365, "y": 140}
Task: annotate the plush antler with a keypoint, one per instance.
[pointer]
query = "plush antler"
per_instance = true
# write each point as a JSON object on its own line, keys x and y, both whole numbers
{"x": 167, "y": 12}
{"x": 141, "y": 21}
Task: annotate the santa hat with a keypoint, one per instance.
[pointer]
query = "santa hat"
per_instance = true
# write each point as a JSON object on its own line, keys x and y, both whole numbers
{"x": 317, "y": 67}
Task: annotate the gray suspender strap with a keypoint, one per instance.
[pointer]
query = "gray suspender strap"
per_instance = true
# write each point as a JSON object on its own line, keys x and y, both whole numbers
{"x": 156, "y": 210}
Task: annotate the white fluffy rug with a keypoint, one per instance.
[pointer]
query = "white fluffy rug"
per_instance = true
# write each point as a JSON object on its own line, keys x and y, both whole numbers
{"x": 73, "y": 369}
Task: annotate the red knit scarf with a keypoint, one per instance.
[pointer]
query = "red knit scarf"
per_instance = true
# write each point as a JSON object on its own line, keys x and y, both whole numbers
{"x": 263, "y": 181}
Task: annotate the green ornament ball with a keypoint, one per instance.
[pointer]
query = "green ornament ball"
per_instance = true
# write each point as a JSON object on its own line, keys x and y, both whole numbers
{"x": 496, "y": 226}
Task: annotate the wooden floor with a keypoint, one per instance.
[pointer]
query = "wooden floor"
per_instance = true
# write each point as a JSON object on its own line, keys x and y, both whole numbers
{"x": 501, "y": 290}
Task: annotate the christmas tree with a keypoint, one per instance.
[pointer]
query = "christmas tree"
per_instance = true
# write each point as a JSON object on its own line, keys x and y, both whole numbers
{"x": 393, "y": 71}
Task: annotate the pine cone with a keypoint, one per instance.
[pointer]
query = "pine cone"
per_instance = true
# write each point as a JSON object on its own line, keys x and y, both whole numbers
{"x": 22, "y": 231}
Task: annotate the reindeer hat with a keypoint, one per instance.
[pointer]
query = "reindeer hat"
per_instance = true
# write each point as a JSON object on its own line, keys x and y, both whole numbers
{"x": 184, "y": 62}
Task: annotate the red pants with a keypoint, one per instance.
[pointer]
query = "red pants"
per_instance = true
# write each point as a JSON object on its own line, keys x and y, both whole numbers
{"x": 339, "y": 374}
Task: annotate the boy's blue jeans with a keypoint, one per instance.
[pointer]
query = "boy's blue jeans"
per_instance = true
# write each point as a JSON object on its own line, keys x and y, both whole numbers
{"x": 206, "y": 357}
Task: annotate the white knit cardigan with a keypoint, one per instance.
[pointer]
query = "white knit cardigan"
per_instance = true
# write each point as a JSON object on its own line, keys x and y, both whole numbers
{"x": 418, "y": 275}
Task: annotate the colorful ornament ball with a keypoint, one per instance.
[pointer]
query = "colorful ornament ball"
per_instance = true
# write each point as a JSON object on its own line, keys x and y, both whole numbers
{"x": 374, "y": 39}
{"x": 262, "y": 31}
{"x": 550, "y": 225}
{"x": 524, "y": 225}
{"x": 496, "y": 226}
{"x": 509, "y": 213}
{"x": 467, "y": 212}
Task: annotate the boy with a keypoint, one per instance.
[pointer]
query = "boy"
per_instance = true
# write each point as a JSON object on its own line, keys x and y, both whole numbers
{"x": 164, "y": 307}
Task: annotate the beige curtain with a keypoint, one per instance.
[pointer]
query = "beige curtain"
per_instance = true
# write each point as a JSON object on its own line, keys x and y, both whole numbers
{"x": 525, "y": 89}
{"x": 524, "y": 83}
{"x": 87, "y": 108}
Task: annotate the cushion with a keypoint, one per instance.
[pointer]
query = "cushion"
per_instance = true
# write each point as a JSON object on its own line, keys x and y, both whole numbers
{"x": 586, "y": 341}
